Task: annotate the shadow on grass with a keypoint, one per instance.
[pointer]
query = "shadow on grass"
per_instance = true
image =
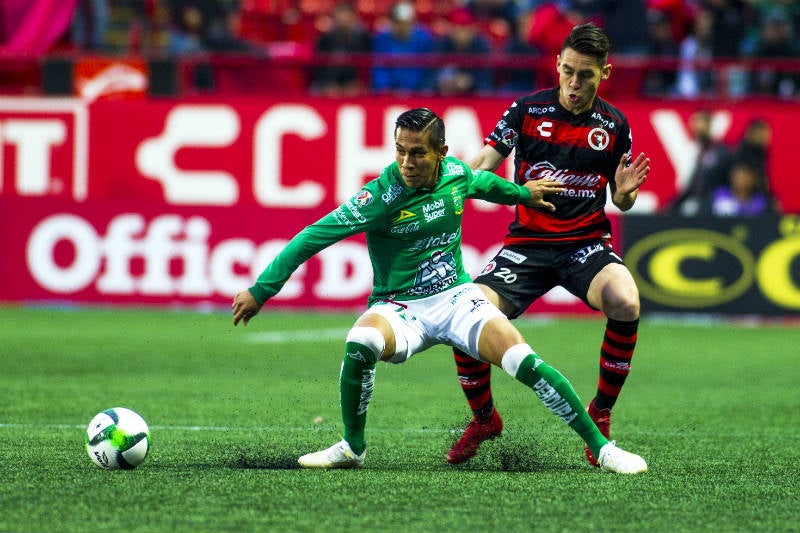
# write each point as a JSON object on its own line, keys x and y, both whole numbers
{"x": 244, "y": 462}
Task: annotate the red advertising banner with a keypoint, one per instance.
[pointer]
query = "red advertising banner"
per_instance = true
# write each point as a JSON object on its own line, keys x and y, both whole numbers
{"x": 135, "y": 201}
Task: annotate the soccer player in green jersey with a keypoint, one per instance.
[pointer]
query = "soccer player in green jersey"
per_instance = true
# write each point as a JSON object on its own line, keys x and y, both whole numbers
{"x": 422, "y": 296}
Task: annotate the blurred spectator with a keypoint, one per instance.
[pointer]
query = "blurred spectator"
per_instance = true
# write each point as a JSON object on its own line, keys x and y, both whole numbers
{"x": 489, "y": 12}
{"x": 753, "y": 149}
{"x": 524, "y": 79}
{"x": 404, "y": 38}
{"x": 740, "y": 197}
{"x": 144, "y": 27}
{"x": 776, "y": 39}
{"x": 729, "y": 21}
{"x": 661, "y": 45}
{"x": 550, "y": 23}
{"x": 463, "y": 39}
{"x": 623, "y": 20}
{"x": 711, "y": 166}
{"x": 695, "y": 78}
{"x": 198, "y": 26}
{"x": 202, "y": 26}
{"x": 90, "y": 25}
{"x": 347, "y": 35}
{"x": 681, "y": 14}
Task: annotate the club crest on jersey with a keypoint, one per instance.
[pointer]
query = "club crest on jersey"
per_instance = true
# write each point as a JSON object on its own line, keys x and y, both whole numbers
{"x": 598, "y": 139}
{"x": 363, "y": 198}
{"x": 458, "y": 201}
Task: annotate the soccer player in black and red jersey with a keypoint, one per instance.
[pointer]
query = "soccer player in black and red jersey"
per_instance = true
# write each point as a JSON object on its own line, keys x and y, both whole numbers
{"x": 569, "y": 134}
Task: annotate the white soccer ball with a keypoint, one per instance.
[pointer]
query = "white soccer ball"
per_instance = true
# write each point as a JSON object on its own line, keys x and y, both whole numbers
{"x": 117, "y": 438}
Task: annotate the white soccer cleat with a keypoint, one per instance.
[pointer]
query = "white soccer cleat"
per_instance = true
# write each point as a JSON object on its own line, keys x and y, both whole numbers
{"x": 337, "y": 456}
{"x": 618, "y": 460}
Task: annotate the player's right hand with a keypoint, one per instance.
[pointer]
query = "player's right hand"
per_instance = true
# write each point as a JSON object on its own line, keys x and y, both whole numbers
{"x": 244, "y": 307}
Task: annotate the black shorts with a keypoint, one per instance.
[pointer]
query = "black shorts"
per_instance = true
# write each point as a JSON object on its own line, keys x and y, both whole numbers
{"x": 521, "y": 274}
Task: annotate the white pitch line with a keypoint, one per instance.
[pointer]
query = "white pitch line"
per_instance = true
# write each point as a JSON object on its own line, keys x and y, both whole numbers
{"x": 305, "y": 335}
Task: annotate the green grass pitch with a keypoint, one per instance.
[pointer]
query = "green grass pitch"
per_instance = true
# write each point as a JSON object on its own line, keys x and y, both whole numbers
{"x": 714, "y": 407}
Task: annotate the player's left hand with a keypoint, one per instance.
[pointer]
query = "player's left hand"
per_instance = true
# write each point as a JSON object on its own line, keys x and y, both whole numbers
{"x": 630, "y": 177}
{"x": 244, "y": 307}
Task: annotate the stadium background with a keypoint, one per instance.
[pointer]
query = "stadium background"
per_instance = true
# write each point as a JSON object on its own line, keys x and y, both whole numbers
{"x": 123, "y": 183}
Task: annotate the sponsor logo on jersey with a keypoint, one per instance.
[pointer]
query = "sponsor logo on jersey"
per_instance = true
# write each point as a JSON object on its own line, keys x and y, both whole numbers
{"x": 513, "y": 256}
{"x": 353, "y": 208}
{"x": 598, "y": 139}
{"x": 610, "y": 124}
{"x": 569, "y": 178}
{"x": 434, "y": 210}
{"x": 453, "y": 169}
{"x": 391, "y": 195}
{"x": 438, "y": 241}
{"x": 341, "y": 217}
{"x": 404, "y": 215}
{"x": 541, "y": 110}
{"x": 402, "y": 229}
{"x": 362, "y": 199}
{"x": 434, "y": 274}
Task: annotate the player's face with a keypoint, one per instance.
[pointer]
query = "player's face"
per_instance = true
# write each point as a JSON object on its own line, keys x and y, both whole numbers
{"x": 579, "y": 76}
{"x": 417, "y": 159}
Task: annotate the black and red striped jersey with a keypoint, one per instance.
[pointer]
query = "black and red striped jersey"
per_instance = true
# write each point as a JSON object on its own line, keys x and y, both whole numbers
{"x": 580, "y": 151}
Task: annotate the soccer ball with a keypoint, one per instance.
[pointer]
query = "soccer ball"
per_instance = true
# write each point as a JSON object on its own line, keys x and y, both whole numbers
{"x": 117, "y": 438}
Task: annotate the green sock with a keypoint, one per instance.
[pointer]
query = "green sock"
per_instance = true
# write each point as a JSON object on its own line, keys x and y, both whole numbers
{"x": 557, "y": 394}
{"x": 356, "y": 381}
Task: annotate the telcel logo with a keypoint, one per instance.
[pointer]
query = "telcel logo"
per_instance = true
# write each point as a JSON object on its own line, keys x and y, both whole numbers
{"x": 691, "y": 268}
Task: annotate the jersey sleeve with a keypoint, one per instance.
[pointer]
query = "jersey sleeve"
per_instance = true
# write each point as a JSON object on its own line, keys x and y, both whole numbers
{"x": 505, "y": 134}
{"x": 489, "y": 186}
{"x": 358, "y": 215}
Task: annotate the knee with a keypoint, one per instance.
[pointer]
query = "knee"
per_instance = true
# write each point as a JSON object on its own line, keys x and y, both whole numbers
{"x": 622, "y": 303}
{"x": 368, "y": 337}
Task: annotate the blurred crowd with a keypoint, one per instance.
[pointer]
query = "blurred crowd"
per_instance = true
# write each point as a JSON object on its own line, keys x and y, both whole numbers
{"x": 723, "y": 180}
{"x": 752, "y": 39}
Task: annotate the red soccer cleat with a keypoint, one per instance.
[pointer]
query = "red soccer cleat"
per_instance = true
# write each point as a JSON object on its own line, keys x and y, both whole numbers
{"x": 475, "y": 433}
{"x": 602, "y": 419}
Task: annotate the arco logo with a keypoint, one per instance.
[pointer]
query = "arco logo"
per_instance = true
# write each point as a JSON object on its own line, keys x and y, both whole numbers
{"x": 691, "y": 268}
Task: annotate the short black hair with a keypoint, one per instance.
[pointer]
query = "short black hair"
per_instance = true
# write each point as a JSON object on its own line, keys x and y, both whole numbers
{"x": 590, "y": 40}
{"x": 422, "y": 119}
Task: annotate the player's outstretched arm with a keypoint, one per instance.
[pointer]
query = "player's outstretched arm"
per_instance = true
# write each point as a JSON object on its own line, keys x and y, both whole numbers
{"x": 244, "y": 307}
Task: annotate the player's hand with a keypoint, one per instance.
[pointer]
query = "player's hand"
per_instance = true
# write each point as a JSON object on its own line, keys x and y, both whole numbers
{"x": 244, "y": 307}
{"x": 630, "y": 177}
{"x": 539, "y": 189}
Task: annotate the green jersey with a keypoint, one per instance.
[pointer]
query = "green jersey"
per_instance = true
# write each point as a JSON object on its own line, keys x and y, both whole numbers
{"x": 413, "y": 235}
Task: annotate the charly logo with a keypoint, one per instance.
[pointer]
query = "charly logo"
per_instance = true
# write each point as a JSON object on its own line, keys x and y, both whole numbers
{"x": 691, "y": 268}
